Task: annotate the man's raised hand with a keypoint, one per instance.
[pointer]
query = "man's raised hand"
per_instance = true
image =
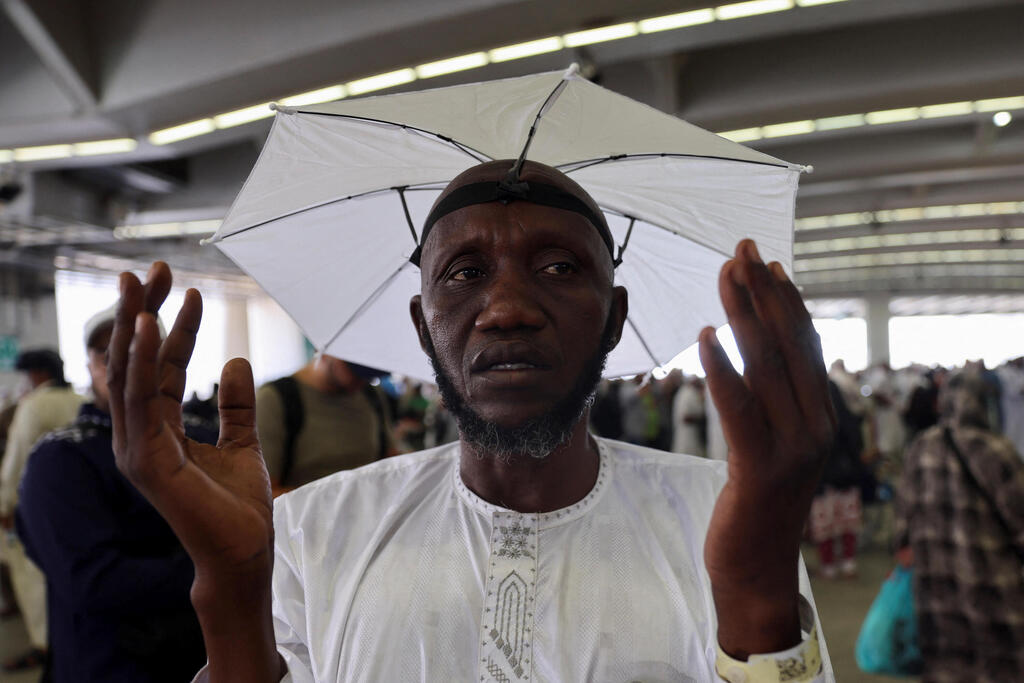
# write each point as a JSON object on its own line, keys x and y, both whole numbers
{"x": 779, "y": 424}
{"x": 215, "y": 498}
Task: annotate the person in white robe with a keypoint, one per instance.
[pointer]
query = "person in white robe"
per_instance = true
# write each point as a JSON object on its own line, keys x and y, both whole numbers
{"x": 529, "y": 550}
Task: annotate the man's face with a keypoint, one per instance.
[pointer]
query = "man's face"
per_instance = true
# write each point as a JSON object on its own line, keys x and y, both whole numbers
{"x": 516, "y": 300}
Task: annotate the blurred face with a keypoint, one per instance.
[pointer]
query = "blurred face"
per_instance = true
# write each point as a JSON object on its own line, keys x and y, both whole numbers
{"x": 518, "y": 313}
{"x": 97, "y": 365}
{"x": 337, "y": 374}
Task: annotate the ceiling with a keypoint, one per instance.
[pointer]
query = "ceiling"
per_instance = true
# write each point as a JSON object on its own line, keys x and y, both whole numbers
{"x": 906, "y": 198}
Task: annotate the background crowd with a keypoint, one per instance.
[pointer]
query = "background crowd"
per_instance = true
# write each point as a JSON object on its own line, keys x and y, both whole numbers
{"x": 927, "y": 464}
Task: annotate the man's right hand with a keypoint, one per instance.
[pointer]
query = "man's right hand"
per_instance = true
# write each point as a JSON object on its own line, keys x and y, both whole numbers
{"x": 215, "y": 498}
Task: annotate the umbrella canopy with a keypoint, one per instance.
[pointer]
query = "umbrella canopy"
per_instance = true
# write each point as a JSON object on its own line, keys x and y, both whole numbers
{"x": 331, "y": 212}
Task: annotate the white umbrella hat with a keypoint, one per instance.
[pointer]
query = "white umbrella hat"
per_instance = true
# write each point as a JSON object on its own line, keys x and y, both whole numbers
{"x": 331, "y": 212}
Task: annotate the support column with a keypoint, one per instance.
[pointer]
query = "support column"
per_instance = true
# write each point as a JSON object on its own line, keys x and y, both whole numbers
{"x": 236, "y": 336}
{"x": 877, "y": 319}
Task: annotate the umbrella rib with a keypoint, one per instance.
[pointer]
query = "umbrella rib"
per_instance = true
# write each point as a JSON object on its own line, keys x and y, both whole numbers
{"x": 425, "y": 186}
{"x": 366, "y": 304}
{"x": 462, "y": 147}
{"x": 548, "y": 101}
{"x": 587, "y": 163}
{"x": 643, "y": 343}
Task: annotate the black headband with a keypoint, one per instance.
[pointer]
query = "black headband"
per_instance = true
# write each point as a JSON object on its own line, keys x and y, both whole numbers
{"x": 505, "y": 191}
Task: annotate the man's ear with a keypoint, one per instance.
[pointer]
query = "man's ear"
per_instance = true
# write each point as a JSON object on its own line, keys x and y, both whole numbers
{"x": 620, "y": 309}
{"x": 416, "y": 311}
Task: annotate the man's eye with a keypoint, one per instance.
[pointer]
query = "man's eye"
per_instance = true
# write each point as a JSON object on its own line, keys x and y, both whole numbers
{"x": 464, "y": 274}
{"x": 560, "y": 268}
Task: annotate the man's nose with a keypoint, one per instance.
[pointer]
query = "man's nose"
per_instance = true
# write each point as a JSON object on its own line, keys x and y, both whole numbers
{"x": 510, "y": 304}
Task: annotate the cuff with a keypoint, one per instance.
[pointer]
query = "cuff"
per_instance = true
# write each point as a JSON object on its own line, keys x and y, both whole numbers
{"x": 800, "y": 663}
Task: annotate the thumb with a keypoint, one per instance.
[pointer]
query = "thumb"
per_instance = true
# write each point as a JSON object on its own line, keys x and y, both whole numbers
{"x": 236, "y": 401}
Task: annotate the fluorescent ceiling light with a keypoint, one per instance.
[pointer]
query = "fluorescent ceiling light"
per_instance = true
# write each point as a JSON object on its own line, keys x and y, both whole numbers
{"x": 999, "y": 104}
{"x": 811, "y": 3}
{"x": 671, "y": 21}
{"x": 246, "y": 115}
{"x": 742, "y": 134}
{"x": 1002, "y": 118}
{"x": 837, "y": 122}
{"x": 115, "y": 146}
{"x": 157, "y": 230}
{"x": 381, "y": 81}
{"x": 751, "y": 8}
{"x": 892, "y": 115}
{"x": 42, "y": 152}
{"x": 329, "y": 94}
{"x": 600, "y": 35}
{"x": 447, "y": 66}
{"x": 528, "y": 49}
{"x": 934, "y": 111}
{"x": 182, "y": 132}
{"x": 6, "y": 155}
{"x": 778, "y": 130}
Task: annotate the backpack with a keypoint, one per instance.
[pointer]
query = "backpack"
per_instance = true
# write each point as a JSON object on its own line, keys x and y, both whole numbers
{"x": 294, "y": 417}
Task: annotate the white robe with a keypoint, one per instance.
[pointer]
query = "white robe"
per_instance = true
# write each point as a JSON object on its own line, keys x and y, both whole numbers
{"x": 397, "y": 572}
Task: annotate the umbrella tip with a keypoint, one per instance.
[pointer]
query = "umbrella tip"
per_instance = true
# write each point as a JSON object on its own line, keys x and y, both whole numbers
{"x": 573, "y": 71}
{"x": 274, "y": 106}
{"x": 807, "y": 169}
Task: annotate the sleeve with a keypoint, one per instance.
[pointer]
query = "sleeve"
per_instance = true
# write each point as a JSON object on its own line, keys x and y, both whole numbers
{"x": 289, "y": 596}
{"x": 70, "y": 530}
{"x": 270, "y": 426}
{"x": 1003, "y": 477}
{"x": 22, "y": 436}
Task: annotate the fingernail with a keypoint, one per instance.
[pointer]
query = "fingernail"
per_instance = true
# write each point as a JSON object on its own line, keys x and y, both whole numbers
{"x": 778, "y": 271}
{"x": 753, "y": 253}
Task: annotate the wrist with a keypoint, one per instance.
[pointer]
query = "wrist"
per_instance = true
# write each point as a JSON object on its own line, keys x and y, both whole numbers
{"x": 756, "y": 622}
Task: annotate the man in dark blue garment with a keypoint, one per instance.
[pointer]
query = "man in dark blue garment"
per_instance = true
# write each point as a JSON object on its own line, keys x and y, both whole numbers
{"x": 118, "y": 579}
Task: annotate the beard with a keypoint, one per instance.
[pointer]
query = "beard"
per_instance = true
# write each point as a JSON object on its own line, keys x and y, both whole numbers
{"x": 539, "y": 436}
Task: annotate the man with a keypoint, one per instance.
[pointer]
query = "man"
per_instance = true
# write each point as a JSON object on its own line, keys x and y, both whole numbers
{"x": 50, "y": 404}
{"x": 960, "y": 512}
{"x": 529, "y": 551}
{"x": 117, "y": 578}
{"x": 323, "y": 419}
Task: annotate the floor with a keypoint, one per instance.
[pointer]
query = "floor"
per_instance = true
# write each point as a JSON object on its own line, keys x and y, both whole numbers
{"x": 842, "y": 605}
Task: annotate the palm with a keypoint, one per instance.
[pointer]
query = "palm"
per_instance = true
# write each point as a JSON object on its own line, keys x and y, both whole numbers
{"x": 216, "y": 498}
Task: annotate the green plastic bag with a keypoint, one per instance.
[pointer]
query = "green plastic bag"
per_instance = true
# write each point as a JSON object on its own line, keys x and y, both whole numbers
{"x": 887, "y": 643}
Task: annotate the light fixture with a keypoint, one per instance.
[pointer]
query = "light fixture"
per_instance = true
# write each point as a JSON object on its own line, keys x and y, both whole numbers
{"x": 114, "y": 146}
{"x": 448, "y": 66}
{"x": 811, "y": 3}
{"x": 742, "y": 134}
{"x": 527, "y": 49}
{"x": 751, "y": 8}
{"x": 680, "y": 20}
{"x": 875, "y": 118}
{"x": 910, "y": 214}
{"x": 999, "y": 104}
{"x": 246, "y": 115}
{"x": 328, "y": 94}
{"x": 1002, "y": 118}
{"x": 186, "y": 130}
{"x": 600, "y": 35}
{"x": 837, "y": 122}
{"x": 42, "y": 152}
{"x": 778, "y": 130}
{"x": 934, "y": 111}
{"x": 6, "y": 155}
{"x": 158, "y": 230}
{"x": 381, "y": 81}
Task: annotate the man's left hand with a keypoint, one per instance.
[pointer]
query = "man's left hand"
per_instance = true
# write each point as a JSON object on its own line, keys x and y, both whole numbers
{"x": 779, "y": 424}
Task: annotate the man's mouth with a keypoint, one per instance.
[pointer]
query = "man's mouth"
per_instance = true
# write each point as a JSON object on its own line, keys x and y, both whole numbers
{"x": 510, "y": 357}
{"x": 513, "y": 366}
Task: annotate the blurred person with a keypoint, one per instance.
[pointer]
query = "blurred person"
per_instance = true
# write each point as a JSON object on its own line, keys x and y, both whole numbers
{"x": 474, "y": 561}
{"x": 641, "y": 419}
{"x": 117, "y": 578}
{"x": 960, "y": 523}
{"x": 835, "y": 518}
{"x": 606, "y": 413}
{"x": 49, "y": 404}
{"x": 325, "y": 418}
{"x": 411, "y": 426}
{"x": 1011, "y": 377}
{"x": 688, "y": 418}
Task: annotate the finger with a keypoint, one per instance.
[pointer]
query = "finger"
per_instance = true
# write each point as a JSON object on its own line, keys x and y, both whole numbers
{"x": 764, "y": 363}
{"x": 175, "y": 354}
{"x": 792, "y": 332}
{"x": 236, "y": 401}
{"x": 158, "y": 285}
{"x": 813, "y": 383}
{"x": 741, "y": 418}
{"x": 128, "y": 307}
